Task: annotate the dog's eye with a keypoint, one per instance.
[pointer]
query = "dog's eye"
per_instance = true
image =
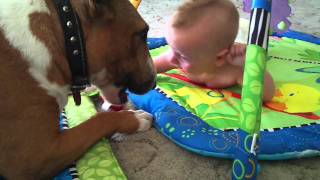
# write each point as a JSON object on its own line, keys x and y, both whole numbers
{"x": 144, "y": 33}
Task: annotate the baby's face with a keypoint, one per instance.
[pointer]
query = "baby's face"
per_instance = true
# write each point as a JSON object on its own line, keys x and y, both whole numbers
{"x": 191, "y": 51}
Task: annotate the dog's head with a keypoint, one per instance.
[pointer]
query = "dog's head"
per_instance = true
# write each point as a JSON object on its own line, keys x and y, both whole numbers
{"x": 118, "y": 57}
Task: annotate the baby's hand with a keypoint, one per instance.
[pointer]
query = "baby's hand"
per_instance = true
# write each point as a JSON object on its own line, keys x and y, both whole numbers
{"x": 237, "y": 54}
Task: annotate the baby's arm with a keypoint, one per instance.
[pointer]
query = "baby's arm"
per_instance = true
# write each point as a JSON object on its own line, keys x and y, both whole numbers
{"x": 236, "y": 57}
{"x": 269, "y": 87}
{"x": 163, "y": 62}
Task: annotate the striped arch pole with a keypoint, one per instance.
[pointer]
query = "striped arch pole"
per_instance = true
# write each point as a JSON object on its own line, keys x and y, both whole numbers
{"x": 135, "y": 3}
{"x": 245, "y": 164}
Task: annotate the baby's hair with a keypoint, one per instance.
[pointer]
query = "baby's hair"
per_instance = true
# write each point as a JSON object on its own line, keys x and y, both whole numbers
{"x": 189, "y": 12}
{"x": 223, "y": 12}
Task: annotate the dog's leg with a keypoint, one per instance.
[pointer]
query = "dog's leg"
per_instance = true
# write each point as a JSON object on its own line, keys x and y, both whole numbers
{"x": 144, "y": 117}
{"x": 73, "y": 143}
{"x": 145, "y": 122}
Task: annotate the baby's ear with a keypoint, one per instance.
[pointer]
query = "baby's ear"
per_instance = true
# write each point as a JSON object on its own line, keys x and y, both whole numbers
{"x": 222, "y": 57}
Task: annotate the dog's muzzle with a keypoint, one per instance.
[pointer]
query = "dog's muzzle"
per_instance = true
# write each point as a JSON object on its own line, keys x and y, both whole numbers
{"x": 134, "y": 86}
{"x": 142, "y": 87}
{"x": 137, "y": 87}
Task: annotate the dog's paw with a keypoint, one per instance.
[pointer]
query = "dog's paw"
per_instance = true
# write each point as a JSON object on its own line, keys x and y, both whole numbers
{"x": 145, "y": 120}
{"x": 119, "y": 137}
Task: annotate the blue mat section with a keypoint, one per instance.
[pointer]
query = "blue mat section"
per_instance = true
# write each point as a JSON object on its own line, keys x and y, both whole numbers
{"x": 245, "y": 166}
{"x": 193, "y": 134}
{"x": 65, "y": 174}
{"x": 156, "y": 42}
{"x": 299, "y": 36}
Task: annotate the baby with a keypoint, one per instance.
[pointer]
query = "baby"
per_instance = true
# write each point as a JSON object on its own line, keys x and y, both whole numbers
{"x": 201, "y": 37}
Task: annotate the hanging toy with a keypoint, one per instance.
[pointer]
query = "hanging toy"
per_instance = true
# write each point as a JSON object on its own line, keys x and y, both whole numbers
{"x": 280, "y": 13}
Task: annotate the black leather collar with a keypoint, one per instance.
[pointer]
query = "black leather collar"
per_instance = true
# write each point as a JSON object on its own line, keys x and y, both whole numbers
{"x": 75, "y": 48}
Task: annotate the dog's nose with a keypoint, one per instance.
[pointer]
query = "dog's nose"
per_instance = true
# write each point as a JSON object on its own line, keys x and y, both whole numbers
{"x": 141, "y": 88}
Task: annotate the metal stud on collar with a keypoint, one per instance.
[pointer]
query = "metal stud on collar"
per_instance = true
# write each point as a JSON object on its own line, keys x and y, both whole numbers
{"x": 73, "y": 39}
{"x": 69, "y": 24}
{"x": 76, "y": 52}
{"x": 66, "y": 9}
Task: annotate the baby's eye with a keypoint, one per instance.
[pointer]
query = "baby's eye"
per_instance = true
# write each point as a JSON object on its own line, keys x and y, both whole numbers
{"x": 180, "y": 56}
{"x": 176, "y": 54}
{"x": 183, "y": 58}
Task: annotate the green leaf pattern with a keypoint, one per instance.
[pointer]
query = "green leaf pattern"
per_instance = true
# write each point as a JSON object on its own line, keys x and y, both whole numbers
{"x": 99, "y": 161}
{"x": 252, "y": 92}
{"x": 310, "y": 54}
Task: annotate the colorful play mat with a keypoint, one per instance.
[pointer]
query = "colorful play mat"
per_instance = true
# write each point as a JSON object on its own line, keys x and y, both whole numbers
{"x": 99, "y": 161}
{"x": 206, "y": 121}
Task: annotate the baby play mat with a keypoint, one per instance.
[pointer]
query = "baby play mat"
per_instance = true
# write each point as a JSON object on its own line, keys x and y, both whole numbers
{"x": 206, "y": 121}
{"x": 99, "y": 162}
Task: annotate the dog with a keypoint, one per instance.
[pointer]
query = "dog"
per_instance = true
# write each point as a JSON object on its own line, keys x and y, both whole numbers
{"x": 35, "y": 81}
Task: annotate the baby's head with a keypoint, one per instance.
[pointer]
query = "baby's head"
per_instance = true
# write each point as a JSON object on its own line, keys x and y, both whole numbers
{"x": 201, "y": 32}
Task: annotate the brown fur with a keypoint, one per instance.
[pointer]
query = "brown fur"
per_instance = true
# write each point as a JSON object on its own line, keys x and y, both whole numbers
{"x": 31, "y": 145}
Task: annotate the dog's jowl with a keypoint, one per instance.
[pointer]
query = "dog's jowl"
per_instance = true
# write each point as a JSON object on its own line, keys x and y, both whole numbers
{"x": 36, "y": 79}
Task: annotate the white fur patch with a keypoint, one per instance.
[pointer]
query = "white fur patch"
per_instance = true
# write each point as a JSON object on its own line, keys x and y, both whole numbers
{"x": 14, "y": 21}
{"x": 118, "y": 137}
{"x": 145, "y": 120}
{"x": 106, "y": 106}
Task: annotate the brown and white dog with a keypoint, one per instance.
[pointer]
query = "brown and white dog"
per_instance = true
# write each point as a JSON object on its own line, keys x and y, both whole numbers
{"x": 35, "y": 81}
